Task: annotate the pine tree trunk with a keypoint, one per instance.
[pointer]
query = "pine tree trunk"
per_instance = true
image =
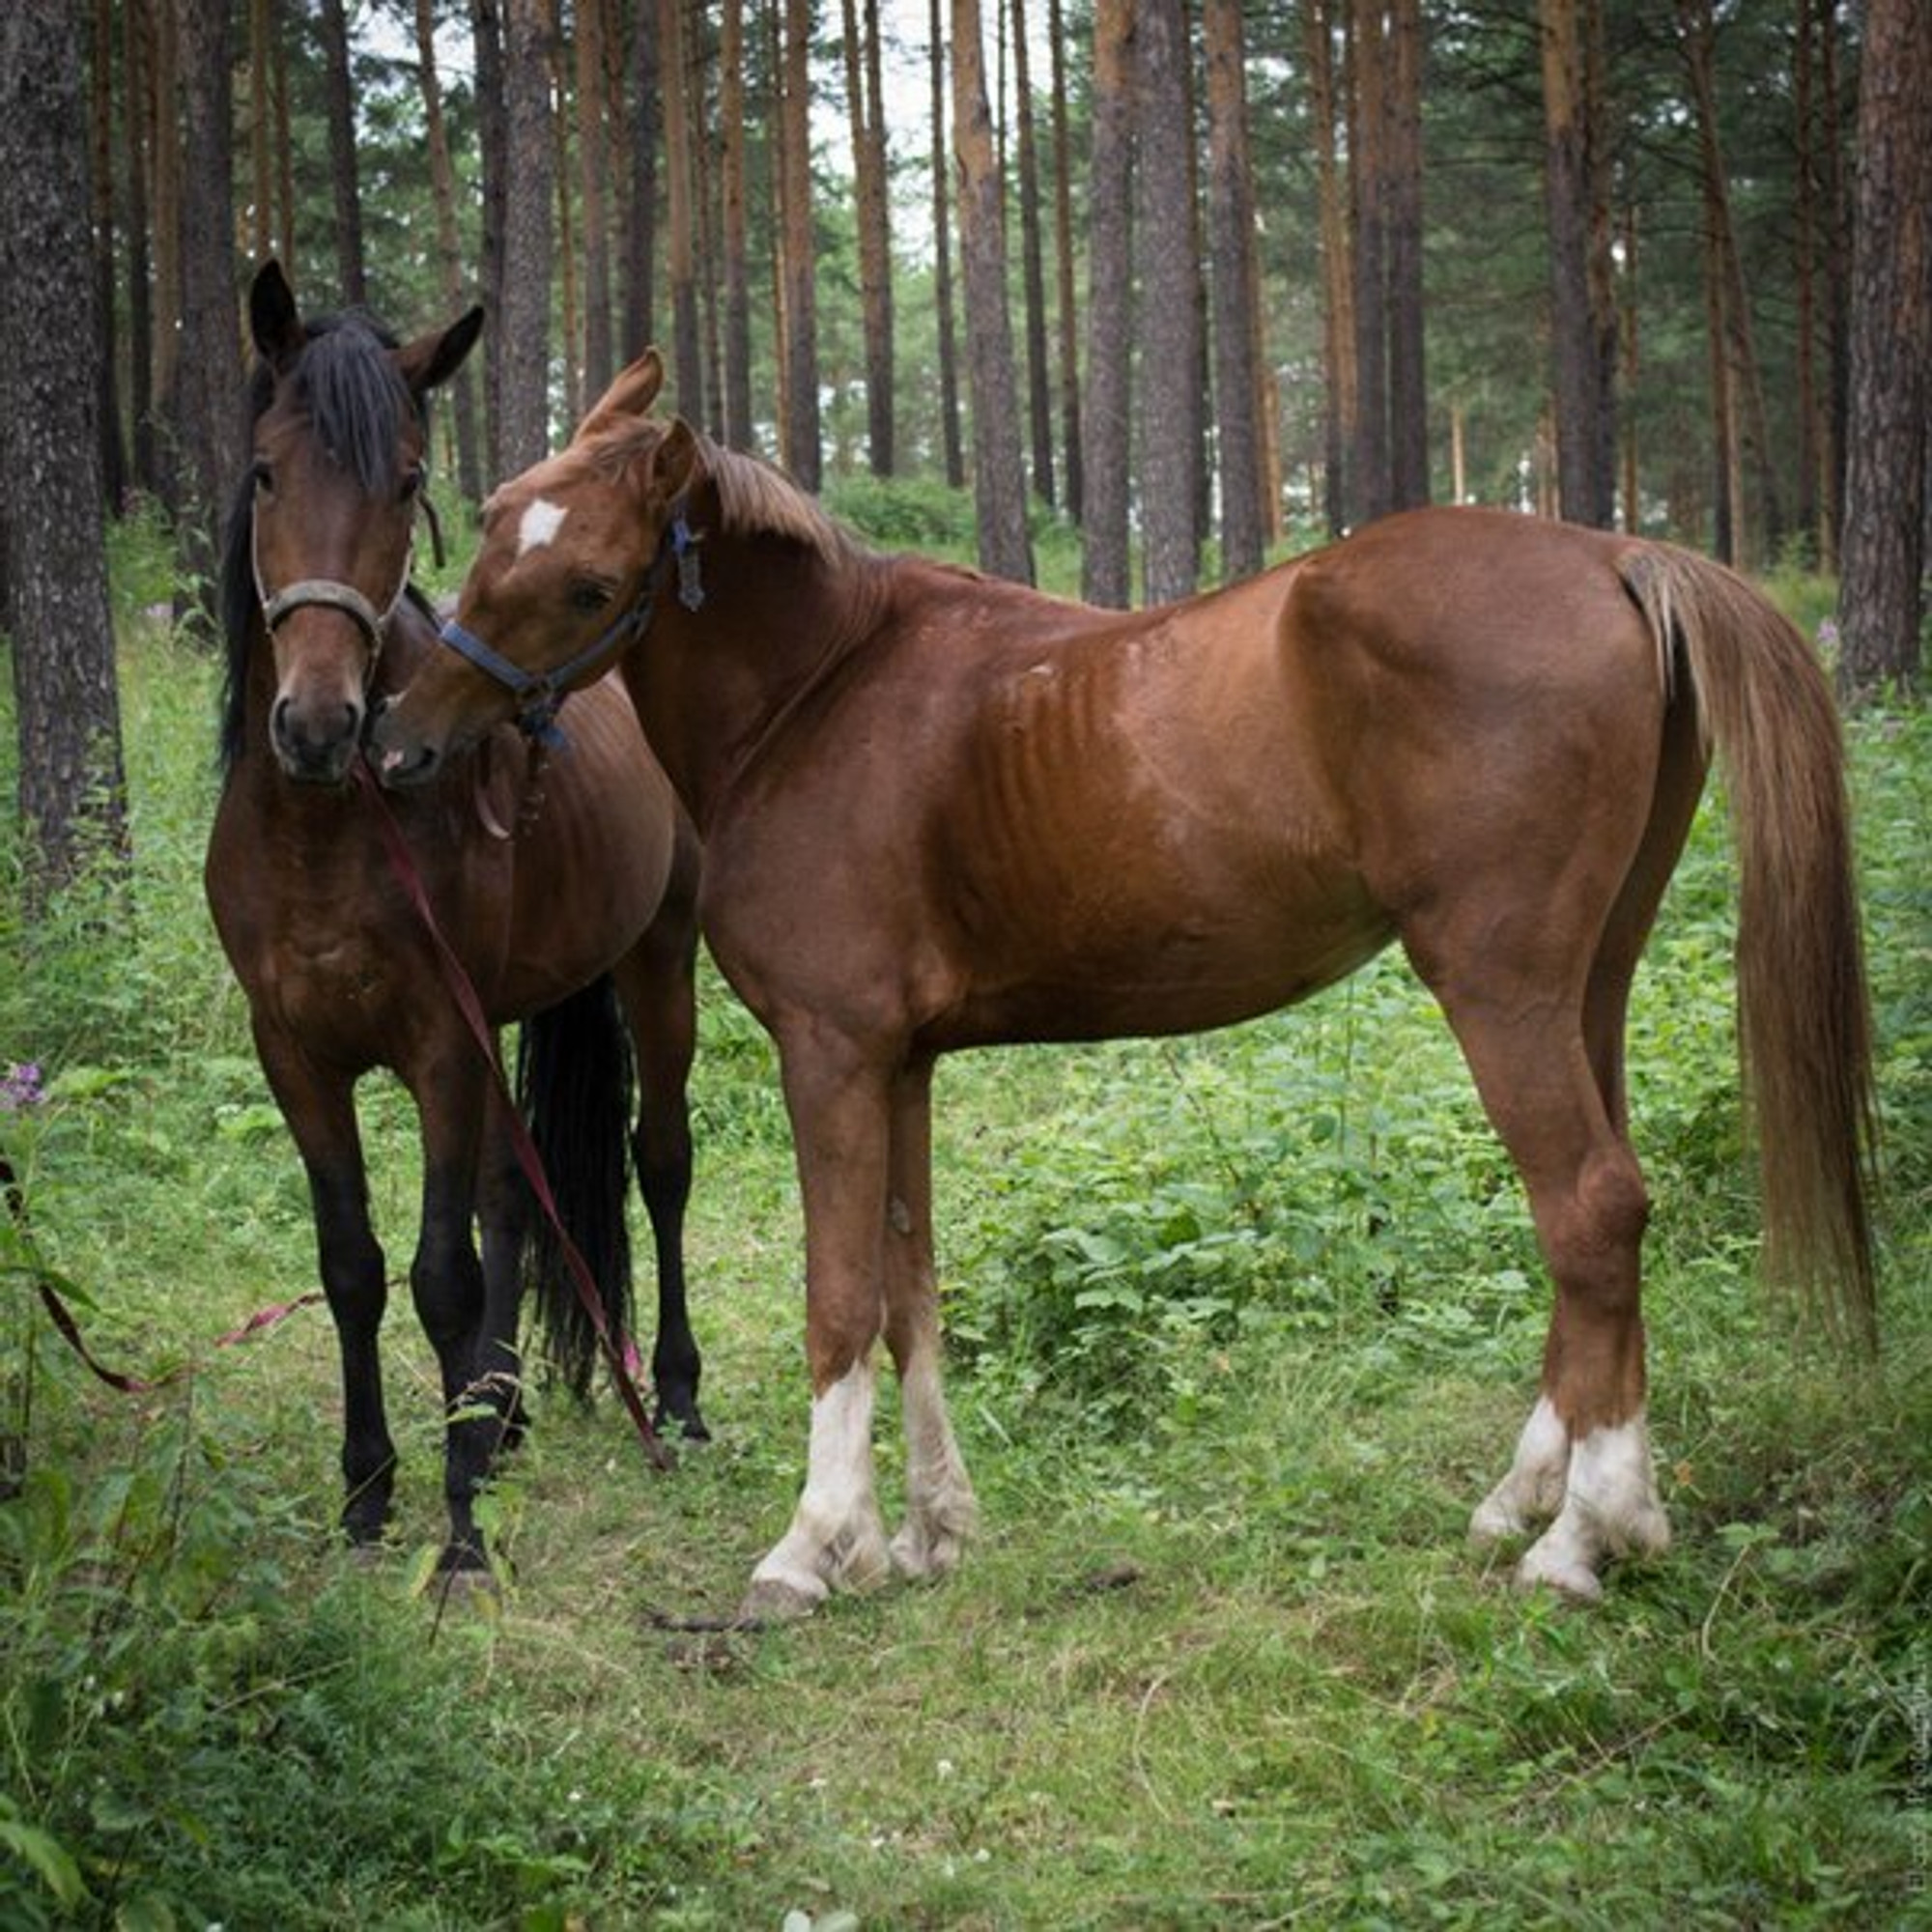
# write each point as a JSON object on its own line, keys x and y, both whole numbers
{"x": 1063, "y": 258}
{"x": 593, "y": 157}
{"x": 530, "y": 149}
{"x": 800, "y": 302}
{"x": 1033, "y": 269}
{"x": 640, "y": 237}
{"x": 261, "y": 117}
{"x": 448, "y": 249}
{"x": 1171, "y": 322}
{"x": 71, "y": 786}
{"x": 569, "y": 313}
{"x": 1105, "y": 575}
{"x": 1231, "y": 231}
{"x": 999, "y": 477}
{"x": 1372, "y": 492}
{"x": 1338, "y": 274}
{"x": 113, "y": 458}
{"x": 492, "y": 140}
{"x": 942, "y": 261}
{"x": 863, "y": 115}
{"x": 1752, "y": 521}
{"x": 164, "y": 151}
{"x": 136, "y": 124}
{"x": 285, "y": 167}
{"x": 1409, "y": 389}
{"x": 341, "y": 100}
{"x": 1881, "y": 599}
{"x": 1582, "y": 341}
{"x": 208, "y": 417}
{"x": 737, "y": 384}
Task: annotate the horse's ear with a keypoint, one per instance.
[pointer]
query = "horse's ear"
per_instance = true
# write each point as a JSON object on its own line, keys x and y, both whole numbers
{"x": 273, "y": 319}
{"x": 676, "y": 461}
{"x": 632, "y": 391}
{"x": 434, "y": 358}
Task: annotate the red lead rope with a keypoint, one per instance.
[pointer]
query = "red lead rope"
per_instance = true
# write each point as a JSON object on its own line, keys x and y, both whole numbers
{"x": 472, "y": 1007}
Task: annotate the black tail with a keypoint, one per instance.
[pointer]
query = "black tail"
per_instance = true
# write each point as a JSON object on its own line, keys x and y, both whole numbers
{"x": 576, "y": 1086}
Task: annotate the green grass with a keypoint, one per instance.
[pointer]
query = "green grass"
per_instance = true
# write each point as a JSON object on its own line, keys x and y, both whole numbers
{"x": 1243, "y": 1326}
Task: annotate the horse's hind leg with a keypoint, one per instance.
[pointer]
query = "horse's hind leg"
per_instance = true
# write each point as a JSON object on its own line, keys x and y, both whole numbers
{"x": 504, "y": 1209}
{"x": 941, "y": 1512}
{"x": 446, "y": 1281}
{"x": 656, "y": 984}
{"x": 1584, "y": 1453}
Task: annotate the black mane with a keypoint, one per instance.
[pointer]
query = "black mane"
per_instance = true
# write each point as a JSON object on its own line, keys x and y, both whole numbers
{"x": 347, "y": 381}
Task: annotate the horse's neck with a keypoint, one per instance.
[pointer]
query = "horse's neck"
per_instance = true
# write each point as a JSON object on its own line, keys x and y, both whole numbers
{"x": 778, "y": 623}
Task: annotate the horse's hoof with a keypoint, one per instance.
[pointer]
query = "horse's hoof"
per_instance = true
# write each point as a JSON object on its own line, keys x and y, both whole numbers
{"x": 1563, "y": 1570}
{"x": 771, "y": 1601}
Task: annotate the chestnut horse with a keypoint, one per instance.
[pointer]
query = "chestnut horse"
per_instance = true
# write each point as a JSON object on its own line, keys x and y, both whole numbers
{"x": 941, "y": 812}
{"x": 551, "y": 886}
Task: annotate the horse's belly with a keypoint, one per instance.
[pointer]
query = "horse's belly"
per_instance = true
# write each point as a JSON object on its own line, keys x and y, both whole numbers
{"x": 1178, "y": 963}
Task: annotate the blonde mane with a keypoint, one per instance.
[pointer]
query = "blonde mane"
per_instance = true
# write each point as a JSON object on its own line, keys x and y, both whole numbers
{"x": 755, "y": 497}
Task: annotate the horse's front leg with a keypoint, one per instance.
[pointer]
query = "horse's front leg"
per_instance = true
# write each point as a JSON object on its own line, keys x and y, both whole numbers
{"x": 941, "y": 1512}
{"x": 446, "y": 1281}
{"x": 839, "y": 1101}
{"x": 320, "y": 1113}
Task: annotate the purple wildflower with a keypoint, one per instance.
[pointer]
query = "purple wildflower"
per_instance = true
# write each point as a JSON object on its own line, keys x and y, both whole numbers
{"x": 20, "y": 1087}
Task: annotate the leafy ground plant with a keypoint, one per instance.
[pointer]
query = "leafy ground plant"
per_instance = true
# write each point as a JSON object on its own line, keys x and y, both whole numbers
{"x": 1243, "y": 1325}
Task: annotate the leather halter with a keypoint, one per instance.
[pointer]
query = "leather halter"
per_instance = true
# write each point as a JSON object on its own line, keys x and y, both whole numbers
{"x": 327, "y": 593}
{"x": 539, "y": 695}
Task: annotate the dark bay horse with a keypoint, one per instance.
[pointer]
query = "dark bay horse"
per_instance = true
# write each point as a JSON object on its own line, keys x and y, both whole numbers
{"x": 552, "y": 886}
{"x": 941, "y": 812}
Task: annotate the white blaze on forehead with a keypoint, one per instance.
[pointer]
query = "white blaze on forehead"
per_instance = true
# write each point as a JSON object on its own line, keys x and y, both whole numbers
{"x": 542, "y": 521}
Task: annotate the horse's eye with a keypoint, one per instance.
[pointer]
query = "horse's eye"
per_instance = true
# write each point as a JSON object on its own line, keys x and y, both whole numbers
{"x": 265, "y": 478}
{"x": 588, "y": 597}
{"x": 413, "y": 479}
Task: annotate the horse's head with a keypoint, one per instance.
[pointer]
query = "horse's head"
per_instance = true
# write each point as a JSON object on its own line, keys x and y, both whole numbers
{"x": 575, "y": 552}
{"x": 321, "y": 540}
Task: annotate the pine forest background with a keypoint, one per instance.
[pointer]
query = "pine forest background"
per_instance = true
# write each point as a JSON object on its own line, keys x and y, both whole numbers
{"x": 1378, "y": 209}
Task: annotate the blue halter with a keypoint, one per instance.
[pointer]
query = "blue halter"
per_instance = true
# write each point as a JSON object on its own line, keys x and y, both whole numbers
{"x": 539, "y": 695}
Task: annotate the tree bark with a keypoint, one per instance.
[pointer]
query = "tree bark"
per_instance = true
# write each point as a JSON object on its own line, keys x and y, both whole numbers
{"x": 1372, "y": 492}
{"x": 640, "y": 237}
{"x": 800, "y": 295}
{"x": 113, "y": 457}
{"x": 1171, "y": 322}
{"x": 1582, "y": 336}
{"x": 1105, "y": 574}
{"x": 1231, "y": 231}
{"x": 593, "y": 158}
{"x": 737, "y": 297}
{"x": 492, "y": 140}
{"x": 261, "y": 118}
{"x": 529, "y": 178}
{"x": 1881, "y": 598}
{"x": 1063, "y": 258}
{"x": 340, "y": 94}
{"x": 999, "y": 477}
{"x": 165, "y": 148}
{"x": 72, "y": 786}
{"x": 1341, "y": 392}
{"x": 1749, "y": 523}
{"x": 864, "y": 113}
{"x": 137, "y": 127}
{"x": 942, "y": 261}
{"x": 1407, "y": 384}
{"x": 207, "y": 414}
{"x": 1032, "y": 268}
{"x": 448, "y": 249}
